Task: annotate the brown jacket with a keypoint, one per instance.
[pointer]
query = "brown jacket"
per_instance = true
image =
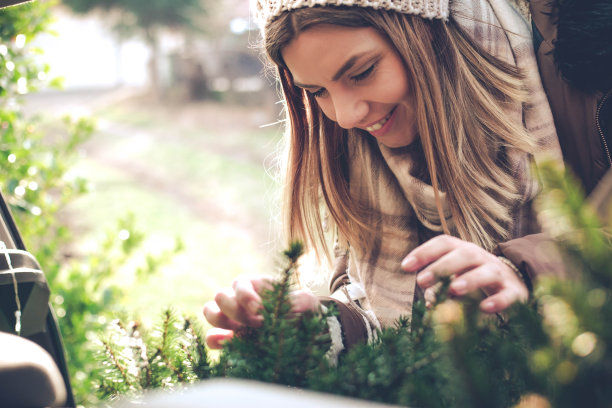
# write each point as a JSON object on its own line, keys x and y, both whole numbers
{"x": 584, "y": 127}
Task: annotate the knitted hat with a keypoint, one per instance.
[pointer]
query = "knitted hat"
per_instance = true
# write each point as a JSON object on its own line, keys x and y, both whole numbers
{"x": 266, "y": 11}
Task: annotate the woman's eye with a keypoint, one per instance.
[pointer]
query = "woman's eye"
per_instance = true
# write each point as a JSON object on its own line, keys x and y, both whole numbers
{"x": 318, "y": 93}
{"x": 364, "y": 74}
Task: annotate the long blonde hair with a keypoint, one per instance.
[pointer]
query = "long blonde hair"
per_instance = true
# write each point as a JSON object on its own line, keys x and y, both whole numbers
{"x": 463, "y": 96}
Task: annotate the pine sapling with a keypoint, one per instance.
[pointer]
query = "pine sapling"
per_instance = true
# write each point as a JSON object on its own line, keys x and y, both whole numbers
{"x": 288, "y": 346}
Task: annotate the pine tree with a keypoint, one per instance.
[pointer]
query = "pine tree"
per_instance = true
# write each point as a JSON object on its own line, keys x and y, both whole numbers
{"x": 171, "y": 354}
{"x": 402, "y": 366}
{"x": 288, "y": 347}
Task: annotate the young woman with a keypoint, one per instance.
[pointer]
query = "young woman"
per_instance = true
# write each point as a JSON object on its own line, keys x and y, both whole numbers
{"x": 412, "y": 129}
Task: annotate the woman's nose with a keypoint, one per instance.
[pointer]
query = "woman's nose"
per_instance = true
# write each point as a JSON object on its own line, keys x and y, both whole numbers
{"x": 350, "y": 110}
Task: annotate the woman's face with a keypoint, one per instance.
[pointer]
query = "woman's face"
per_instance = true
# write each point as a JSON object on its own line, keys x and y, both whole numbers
{"x": 358, "y": 80}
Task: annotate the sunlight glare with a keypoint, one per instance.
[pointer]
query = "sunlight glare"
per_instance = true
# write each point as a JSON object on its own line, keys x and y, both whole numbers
{"x": 20, "y": 40}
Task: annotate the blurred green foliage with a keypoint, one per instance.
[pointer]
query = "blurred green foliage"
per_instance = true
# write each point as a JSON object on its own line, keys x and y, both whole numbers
{"x": 36, "y": 181}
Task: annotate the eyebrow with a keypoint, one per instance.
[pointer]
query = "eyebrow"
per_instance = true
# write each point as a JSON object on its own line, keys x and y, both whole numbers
{"x": 345, "y": 67}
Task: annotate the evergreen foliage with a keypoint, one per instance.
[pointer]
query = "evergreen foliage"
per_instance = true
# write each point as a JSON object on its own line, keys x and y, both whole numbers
{"x": 170, "y": 354}
{"x": 554, "y": 350}
{"x": 288, "y": 348}
{"x": 401, "y": 366}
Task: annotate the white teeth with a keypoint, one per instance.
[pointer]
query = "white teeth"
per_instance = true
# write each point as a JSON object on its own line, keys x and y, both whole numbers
{"x": 378, "y": 125}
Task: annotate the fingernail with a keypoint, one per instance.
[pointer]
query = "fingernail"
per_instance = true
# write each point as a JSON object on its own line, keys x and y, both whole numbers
{"x": 488, "y": 306}
{"x": 424, "y": 277}
{"x": 458, "y": 286}
{"x": 253, "y": 307}
{"x": 408, "y": 263}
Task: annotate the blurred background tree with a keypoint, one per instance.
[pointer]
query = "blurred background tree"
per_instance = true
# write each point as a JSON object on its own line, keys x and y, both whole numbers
{"x": 148, "y": 19}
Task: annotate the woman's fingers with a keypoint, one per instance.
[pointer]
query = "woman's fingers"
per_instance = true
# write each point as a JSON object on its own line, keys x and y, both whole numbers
{"x": 431, "y": 295}
{"x": 217, "y": 318}
{"x": 246, "y": 296}
{"x": 460, "y": 259}
{"x": 484, "y": 276}
{"x": 429, "y": 252}
{"x": 502, "y": 300}
{"x": 262, "y": 283}
{"x": 470, "y": 267}
{"x": 247, "y": 290}
{"x": 215, "y": 337}
{"x": 234, "y": 307}
{"x": 227, "y": 301}
{"x": 303, "y": 300}
{"x": 240, "y": 305}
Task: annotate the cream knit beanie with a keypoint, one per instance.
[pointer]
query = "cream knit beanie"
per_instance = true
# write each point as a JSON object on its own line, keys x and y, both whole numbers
{"x": 265, "y": 11}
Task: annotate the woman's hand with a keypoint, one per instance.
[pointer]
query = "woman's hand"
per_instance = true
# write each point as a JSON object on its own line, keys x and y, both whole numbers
{"x": 470, "y": 267}
{"x": 238, "y": 306}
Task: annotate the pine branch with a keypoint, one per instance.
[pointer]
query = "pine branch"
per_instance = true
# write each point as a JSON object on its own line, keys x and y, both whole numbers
{"x": 423, "y": 362}
{"x": 199, "y": 360}
{"x": 110, "y": 352}
{"x": 280, "y": 302}
{"x": 178, "y": 356}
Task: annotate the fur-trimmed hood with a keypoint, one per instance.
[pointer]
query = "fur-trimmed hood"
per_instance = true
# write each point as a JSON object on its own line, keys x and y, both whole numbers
{"x": 583, "y": 48}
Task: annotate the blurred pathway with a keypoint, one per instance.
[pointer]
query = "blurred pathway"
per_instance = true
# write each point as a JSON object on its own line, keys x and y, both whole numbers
{"x": 76, "y": 102}
{"x": 197, "y": 171}
{"x": 154, "y": 176}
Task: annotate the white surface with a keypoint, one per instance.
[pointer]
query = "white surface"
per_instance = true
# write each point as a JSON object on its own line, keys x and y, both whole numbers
{"x": 231, "y": 393}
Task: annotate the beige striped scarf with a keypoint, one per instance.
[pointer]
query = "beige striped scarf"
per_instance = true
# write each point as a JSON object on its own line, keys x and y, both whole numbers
{"x": 406, "y": 205}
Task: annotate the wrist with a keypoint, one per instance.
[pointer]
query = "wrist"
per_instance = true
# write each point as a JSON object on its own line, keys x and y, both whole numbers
{"x": 515, "y": 270}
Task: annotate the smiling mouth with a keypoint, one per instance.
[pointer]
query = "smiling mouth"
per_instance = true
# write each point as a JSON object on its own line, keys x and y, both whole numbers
{"x": 378, "y": 125}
